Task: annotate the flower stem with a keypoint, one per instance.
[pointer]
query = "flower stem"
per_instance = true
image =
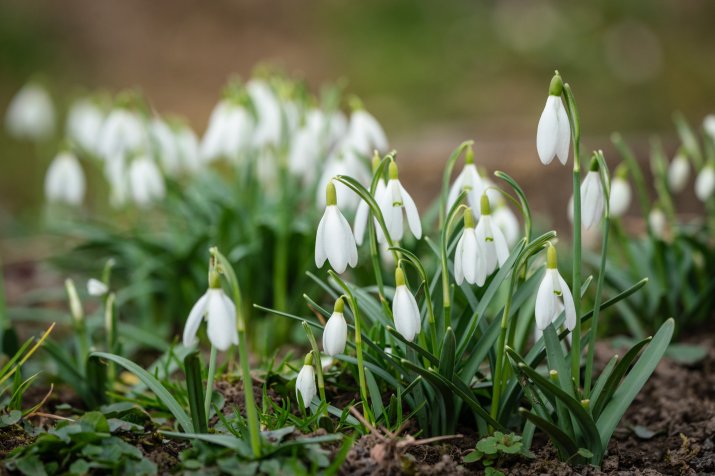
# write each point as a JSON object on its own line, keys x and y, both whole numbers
{"x": 318, "y": 362}
{"x": 210, "y": 381}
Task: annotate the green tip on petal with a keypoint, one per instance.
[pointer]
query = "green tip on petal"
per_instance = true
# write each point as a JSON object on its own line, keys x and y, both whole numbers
{"x": 308, "y": 359}
{"x": 594, "y": 165}
{"x": 484, "y": 205}
{"x": 399, "y": 277}
{"x": 330, "y": 194}
{"x": 339, "y": 305}
{"x": 355, "y": 103}
{"x": 557, "y": 85}
{"x": 375, "y": 161}
{"x": 468, "y": 218}
{"x": 621, "y": 171}
{"x": 393, "y": 170}
{"x": 214, "y": 279}
{"x": 551, "y": 258}
{"x": 469, "y": 156}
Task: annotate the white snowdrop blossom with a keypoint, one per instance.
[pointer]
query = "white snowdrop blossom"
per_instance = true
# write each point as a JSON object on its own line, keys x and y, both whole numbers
{"x": 553, "y": 296}
{"x": 508, "y": 223}
{"x": 334, "y": 240}
{"x": 657, "y": 222}
{"x": 64, "y": 181}
{"x": 122, "y": 133}
{"x": 620, "y": 198}
{"x": 146, "y": 184}
{"x": 305, "y": 383}
{"x": 365, "y": 134}
{"x": 553, "y": 135}
{"x": 705, "y": 183}
{"x": 228, "y": 133}
{"x": 84, "y": 124}
{"x": 678, "y": 173}
{"x": 363, "y": 212}
{"x": 468, "y": 181}
{"x": 96, "y": 287}
{"x": 491, "y": 239}
{"x": 187, "y": 146}
{"x": 404, "y": 309}
{"x": 592, "y": 198}
{"x": 164, "y": 143}
{"x": 345, "y": 162}
{"x": 268, "y": 109}
{"x": 31, "y": 114}
{"x": 469, "y": 257}
{"x": 335, "y": 334}
{"x": 709, "y": 125}
{"x": 392, "y": 202}
{"x": 220, "y": 313}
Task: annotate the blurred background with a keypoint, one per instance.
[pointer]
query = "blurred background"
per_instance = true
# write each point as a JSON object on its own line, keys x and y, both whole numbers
{"x": 433, "y": 73}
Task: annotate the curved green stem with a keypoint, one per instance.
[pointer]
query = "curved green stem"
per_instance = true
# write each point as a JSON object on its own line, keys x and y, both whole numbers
{"x": 210, "y": 381}
{"x": 457, "y": 208}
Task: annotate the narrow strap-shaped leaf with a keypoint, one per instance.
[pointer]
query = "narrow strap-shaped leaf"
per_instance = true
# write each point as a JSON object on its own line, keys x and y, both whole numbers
{"x": 601, "y": 382}
{"x": 555, "y": 358}
{"x": 421, "y": 351}
{"x": 632, "y": 384}
{"x": 561, "y": 439}
{"x": 154, "y": 385}
{"x": 446, "y": 363}
{"x": 195, "y": 391}
{"x": 374, "y": 391}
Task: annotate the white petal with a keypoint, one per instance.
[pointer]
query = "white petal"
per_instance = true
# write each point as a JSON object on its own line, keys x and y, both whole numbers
{"x": 454, "y": 191}
{"x": 194, "y": 320}
{"x": 413, "y": 216}
{"x": 678, "y": 173}
{"x": 470, "y": 255}
{"x": 348, "y": 240}
{"x": 231, "y": 310}
{"x": 334, "y": 240}
{"x": 96, "y": 287}
{"x": 705, "y": 183}
{"x": 320, "y": 256}
{"x": 500, "y": 244}
{"x": 221, "y": 322}
{"x": 620, "y": 198}
{"x": 403, "y": 313}
{"x": 547, "y": 132}
{"x": 545, "y": 301}
{"x": 569, "y": 307}
{"x": 591, "y": 200}
{"x": 305, "y": 384}
{"x": 361, "y": 221}
{"x": 564, "y": 134}
{"x": 458, "y": 260}
{"x": 335, "y": 334}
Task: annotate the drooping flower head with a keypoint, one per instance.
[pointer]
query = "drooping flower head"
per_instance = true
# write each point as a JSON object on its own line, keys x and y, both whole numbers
{"x": 657, "y": 222}
{"x": 84, "y": 123}
{"x": 404, "y": 309}
{"x": 553, "y": 134}
{"x": 363, "y": 209}
{"x": 491, "y": 239}
{"x": 705, "y": 183}
{"x": 220, "y": 313}
{"x": 335, "y": 334}
{"x": 468, "y": 181}
{"x": 305, "y": 382}
{"x": 678, "y": 172}
{"x": 620, "y": 197}
{"x": 393, "y": 201}
{"x": 334, "y": 240}
{"x": 364, "y": 134}
{"x": 31, "y": 114}
{"x": 592, "y": 197}
{"x": 469, "y": 258}
{"x": 64, "y": 181}
{"x": 553, "y": 296}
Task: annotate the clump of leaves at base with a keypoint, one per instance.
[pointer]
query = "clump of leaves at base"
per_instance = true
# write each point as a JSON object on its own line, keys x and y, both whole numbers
{"x": 493, "y": 450}
{"x": 81, "y": 447}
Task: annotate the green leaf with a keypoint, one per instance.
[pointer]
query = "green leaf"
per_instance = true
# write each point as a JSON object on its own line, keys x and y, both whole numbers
{"x": 473, "y": 456}
{"x": 635, "y": 380}
{"x": 446, "y": 364}
{"x": 686, "y": 354}
{"x": 154, "y": 385}
{"x": 561, "y": 439}
{"x": 585, "y": 453}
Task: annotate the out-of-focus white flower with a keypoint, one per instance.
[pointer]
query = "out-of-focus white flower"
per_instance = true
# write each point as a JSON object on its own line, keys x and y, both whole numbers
{"x": 365, "y": 134}
{"x": 469, "y": 259}
{"x": 95, "y": 287}
{"x": 31, "y": 114}
{"x": 506, "y": 220}
{"x": 705, "y": 183}
{"x": 392, "y": 202}
{"x": 335, "y": 334}
{"x": 553, "y": 134}
{"x": 228, "y": 133}
{"x": 553, "y": 296}
{"x": 334, "y": 240}
{"x": 164, "y": 143}
{"x": 337, "y": 127}
{"x": 220, "y": 313}
{"x": 64, "y": 181}
{"x": 404, "y": 309}
{"x": 491, "y": 239}
{"x": 592, "y": 198}
{"x": 468, "y": 180}
{"x": 305, "y": 383}
{"x": 146, "y": 184}
{"x": 709, "y": 125}
{"x": 657, "y": 222}
{"x": 268, "y": 109}
{"x": 304, "y": 154}
{"x": 115, "y": 171}
{"x": 187, "y": 145}
{"x": 363, "y": 212}
{"x": 122, "y": 133}
{"x": 347, "y": 163}
{"x": 678, "y": 173}
{"x": 84, "y": 124}
{"x": 620, "y": 198}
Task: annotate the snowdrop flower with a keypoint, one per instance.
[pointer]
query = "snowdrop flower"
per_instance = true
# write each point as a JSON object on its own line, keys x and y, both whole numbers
{"x": 146, "y": 184}
{"x": 468, "y": 180}
{"x": 552, "y": 294}
{"x": 363, "y": 209}
{"x": 228, "y": 133}
{"x": 469, "y": 258}
{"x": 96, "y": 287}
{"x": 84, "y": 123}
{"x": 657, "y": 222}
{"x": 164, "y": 142}
{"x": 553, "y": 134}
{"x": 268, "y": 109}
{"x": 64, "y": 181}
{"x": 678, "y": 173}
{"x": 187, "y": 146}
{"x": 709, "y": 125}
{"x": 346, "y": 162}
{"x": 592, "y": 197}
{"x": 705, "y": 183}
{"x": 334, "y": 240}
{"x": 365, "y": 134}
{"x": 393, "y": 201}
{"x": 491, "y": 239}
{"x": 508, "y": 223}
{"x": 404, "y": 309}
{"x": 620, "y": 197}
{"x": 304, "y": 154}
{"x": 122, "y": 133}
{"x": 305, "y": 383}
{"x": 220, "y": 313}
{"x": 335, "y": 334}
{"x": 31, "y": 114}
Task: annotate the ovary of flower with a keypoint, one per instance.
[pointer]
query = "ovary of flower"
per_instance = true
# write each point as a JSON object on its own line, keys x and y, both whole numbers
{"x": 552, "y": 294}
{"x": 553, "y": 134}
{"x": 393, "y": 201}
{"x": 64, "y": 181}
{"x": 220, "y": 314}
{"x": 146, "y": 183}
{"x": 334, "y": 240}
{"x": 405, "y": 311}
